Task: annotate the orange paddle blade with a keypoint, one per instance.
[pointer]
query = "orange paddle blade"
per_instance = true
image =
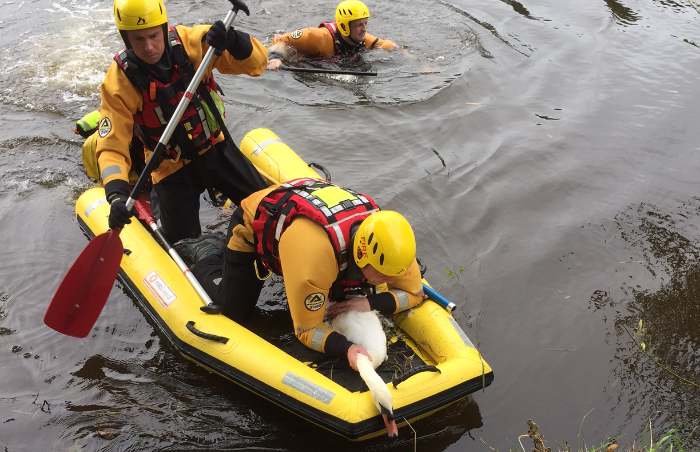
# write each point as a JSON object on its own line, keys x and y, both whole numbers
{"x": 84, "y": 290}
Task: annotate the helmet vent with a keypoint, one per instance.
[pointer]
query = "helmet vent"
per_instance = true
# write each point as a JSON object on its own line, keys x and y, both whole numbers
{"x": 381, "y": 259}
{"x": 369, "y": 240}
{"x": 119, "y": 14}
{"x": 374, "y": 250}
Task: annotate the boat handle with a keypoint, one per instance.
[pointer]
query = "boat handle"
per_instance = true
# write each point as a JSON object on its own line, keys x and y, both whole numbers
{"x": 202, "y": 334}
{"x": 326, "y": 173}
{"x": 412, "y": 372}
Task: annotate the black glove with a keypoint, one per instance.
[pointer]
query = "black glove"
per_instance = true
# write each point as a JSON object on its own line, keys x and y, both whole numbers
{"x": 236, "y": 42}
{"x": 216, "y": 37}
{"x": 119, "y": 215}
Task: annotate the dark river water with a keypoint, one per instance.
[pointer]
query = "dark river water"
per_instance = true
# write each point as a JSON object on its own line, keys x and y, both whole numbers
{"x": 545, "y": 151}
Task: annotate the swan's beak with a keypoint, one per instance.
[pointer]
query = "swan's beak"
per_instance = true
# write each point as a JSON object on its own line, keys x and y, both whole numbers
{"x": 391, "y": 429}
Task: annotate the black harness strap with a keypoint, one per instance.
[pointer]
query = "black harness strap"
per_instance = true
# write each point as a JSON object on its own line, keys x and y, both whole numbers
{"x": 186, "y": 71}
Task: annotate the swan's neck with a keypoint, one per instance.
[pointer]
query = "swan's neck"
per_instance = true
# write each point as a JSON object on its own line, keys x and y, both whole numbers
{"x": 381, "y": 395}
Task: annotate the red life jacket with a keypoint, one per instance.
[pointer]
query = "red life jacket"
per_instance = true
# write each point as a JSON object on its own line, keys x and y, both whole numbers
{"x": 193, "y": 132}
{"x": 340, "y": 46}
{"x": 277, "y": 210}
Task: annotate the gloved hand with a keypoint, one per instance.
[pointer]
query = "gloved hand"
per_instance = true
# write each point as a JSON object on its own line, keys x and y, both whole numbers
{"x": 217, "y": 37}
{"x": 119, "y": 215}
{"x": 236, "y": 42}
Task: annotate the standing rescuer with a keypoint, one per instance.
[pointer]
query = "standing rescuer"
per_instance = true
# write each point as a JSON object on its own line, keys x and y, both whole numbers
{"x": 346, "y": 37}
{"x": 140, "y": 93}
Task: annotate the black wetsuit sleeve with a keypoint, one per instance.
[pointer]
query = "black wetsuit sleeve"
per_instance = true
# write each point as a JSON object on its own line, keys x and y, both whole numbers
{"x": 337, "y": 345}
{"x": 383, "y": 302}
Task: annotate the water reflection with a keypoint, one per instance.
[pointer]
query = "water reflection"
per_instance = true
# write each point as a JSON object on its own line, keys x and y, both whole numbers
{"x": 519, "y": 8}
{"x": 678, "y": 5}
{"x": 157, "y": 404}
{"x": 626, "y": 16}
{"x": 665, "y": 245}
{"x": 487, "y": 26}
{"x": 167, "y": 403}
{"x": 622, "y": 13}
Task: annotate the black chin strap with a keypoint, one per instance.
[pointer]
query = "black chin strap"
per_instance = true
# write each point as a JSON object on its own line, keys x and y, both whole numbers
{"x": 125, "y": 38}
{"x": 355, "y": 42}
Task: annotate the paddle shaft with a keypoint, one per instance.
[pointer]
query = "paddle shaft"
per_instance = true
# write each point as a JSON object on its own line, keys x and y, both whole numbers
{"x": 179, "y": 111}
{"x": 439, "y": 299}
{"x": 146, "y": 216}
{"x": 326, "y": 71}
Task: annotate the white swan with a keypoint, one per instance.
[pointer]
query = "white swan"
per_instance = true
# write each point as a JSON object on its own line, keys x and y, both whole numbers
{"x": 365, "y": 329}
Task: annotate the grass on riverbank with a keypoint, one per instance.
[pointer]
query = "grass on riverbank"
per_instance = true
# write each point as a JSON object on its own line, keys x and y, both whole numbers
{"x": 668, "y": 442}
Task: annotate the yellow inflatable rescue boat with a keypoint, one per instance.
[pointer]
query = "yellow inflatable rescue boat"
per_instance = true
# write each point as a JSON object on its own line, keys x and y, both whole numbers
{"x": 432, "y": 361}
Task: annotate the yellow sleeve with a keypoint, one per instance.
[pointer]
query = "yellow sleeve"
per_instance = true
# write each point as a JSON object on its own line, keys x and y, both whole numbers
{"x": 120, "y": 101}
{"x": 193, "y": 39}
{"x": 310, "y": 41}
{"x": 407, "y": 289}
{"x": 309, "y": 267}
{"x": 372, "y": 42}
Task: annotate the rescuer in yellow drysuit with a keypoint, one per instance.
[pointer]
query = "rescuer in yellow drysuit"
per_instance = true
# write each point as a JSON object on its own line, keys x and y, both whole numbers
{"x": 346, "y": 37}
{"x": 143, "y": 87}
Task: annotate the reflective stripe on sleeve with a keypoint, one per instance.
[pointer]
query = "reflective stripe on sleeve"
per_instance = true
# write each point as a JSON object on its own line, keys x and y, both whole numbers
{"x": 317, "y": 339}
{"x": 111, "y": 171}
{"x": 402, "y": 296}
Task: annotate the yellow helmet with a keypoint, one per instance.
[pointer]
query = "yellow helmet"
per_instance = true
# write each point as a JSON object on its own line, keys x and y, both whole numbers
{"x": 385, "y": 240}
{"x": 346, "y": 12}
{"x": 139, "y": 14}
